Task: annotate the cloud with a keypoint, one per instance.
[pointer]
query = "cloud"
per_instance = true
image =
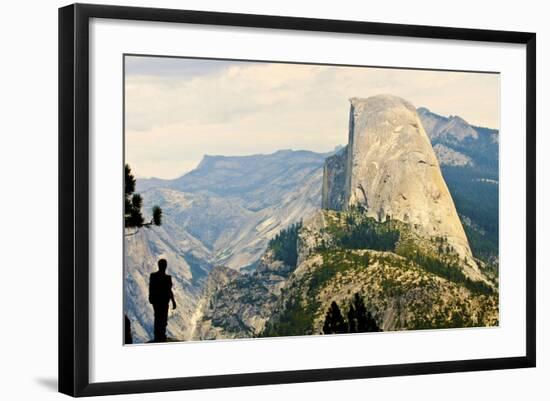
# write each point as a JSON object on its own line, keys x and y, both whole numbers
{"x": 172, "y": 67}
{"x": 245, "y": 108}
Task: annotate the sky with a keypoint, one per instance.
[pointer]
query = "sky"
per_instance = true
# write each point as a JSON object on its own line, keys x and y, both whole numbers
{"x": 177, "y": 109}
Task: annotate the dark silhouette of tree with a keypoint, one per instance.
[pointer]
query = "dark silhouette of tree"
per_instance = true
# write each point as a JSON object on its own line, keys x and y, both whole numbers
{"x": 361, "y": 313}
{"x": 132, "y": 205}
{"x": 334, "y": 321}
{"x": 352, "y": 320}
{"x": 365, "y": 320}
{"x": 371, "y": 325}
{"x": 358, "y": 319}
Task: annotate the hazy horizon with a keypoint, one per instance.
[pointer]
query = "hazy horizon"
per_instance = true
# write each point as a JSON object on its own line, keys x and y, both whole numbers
{"x": 178, "y": 110}
{"x": 243, "y": 155}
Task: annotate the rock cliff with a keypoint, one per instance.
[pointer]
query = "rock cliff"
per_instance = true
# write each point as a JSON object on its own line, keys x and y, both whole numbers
{"x": 334, "y": 178}
{"x": 236, "y": 305}
{"x": 389, "y": 168}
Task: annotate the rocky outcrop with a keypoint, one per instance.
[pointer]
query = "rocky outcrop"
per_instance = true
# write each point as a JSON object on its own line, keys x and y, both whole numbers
{"x": 236, "y": 305}
{"x": 450, "y": 157}
{"x": 391, "y": 170}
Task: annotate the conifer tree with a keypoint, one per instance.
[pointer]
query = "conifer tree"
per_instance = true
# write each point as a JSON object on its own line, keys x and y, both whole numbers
{"x": 365, "y": 320}
{"x": 352, "y": 320}
{"x": 132, "y": 205}
{"x": 360, "y": 312}
{"x": 334, "y": 321}
{"x": 358, "y": 319}
{"x": 371, "y": 325}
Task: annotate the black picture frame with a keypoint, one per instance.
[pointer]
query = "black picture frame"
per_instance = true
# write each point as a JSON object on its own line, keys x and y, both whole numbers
{"x": 74, "y": 198}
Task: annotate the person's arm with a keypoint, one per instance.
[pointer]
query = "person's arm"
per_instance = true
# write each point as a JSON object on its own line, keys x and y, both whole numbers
{"x": 172, "y": 295}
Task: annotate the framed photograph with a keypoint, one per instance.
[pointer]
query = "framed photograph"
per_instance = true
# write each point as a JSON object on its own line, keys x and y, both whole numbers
{"x": 250, "y": 199}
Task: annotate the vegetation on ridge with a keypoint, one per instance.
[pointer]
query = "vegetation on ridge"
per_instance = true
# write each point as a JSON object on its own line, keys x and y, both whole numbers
{"x": 419, "y": 280}
{"x": 285, "y": 244}
{"x": 352, "y": 229}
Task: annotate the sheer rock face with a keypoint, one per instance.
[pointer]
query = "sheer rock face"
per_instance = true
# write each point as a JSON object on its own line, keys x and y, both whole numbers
{"x": 334, "y": 178}
{"x": 391, "y": 170}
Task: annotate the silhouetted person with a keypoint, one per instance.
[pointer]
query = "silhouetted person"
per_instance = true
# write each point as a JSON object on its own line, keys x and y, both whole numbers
{"x": 160, "y": 295}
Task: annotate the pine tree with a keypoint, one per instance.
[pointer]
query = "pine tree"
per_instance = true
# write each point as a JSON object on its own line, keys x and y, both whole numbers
{"x": 365, "y": 320}
{"x": 132, "y": 205}
{"x": 358, "y": 319}
{"x": 352, "y": 320}
{"x": 360, "y": 313}
{"x": 371, "y": 325}
{"x": 334, "y": 321}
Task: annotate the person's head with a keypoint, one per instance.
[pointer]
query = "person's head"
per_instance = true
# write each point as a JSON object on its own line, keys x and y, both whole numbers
{"x": 162, "y": 265}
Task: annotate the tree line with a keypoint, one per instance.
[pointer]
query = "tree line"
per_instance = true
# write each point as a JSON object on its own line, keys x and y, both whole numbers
{"x": 358, "y": 319}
